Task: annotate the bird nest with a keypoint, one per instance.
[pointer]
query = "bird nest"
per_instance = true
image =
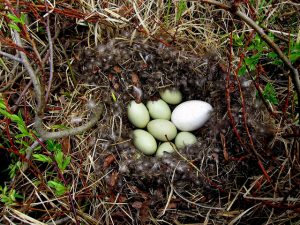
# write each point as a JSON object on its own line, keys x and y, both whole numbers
{"x": 219, "y": 174}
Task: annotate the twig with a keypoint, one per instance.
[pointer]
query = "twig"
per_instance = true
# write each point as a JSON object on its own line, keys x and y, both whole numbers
{"x": 15, "y": 107}
{"x": 51, "y": 55}
{"x": 29, "y": 151}
{"x": 71, "y": 131}
{"x": 36, "y": 82}
{"x": 15, "y": 58}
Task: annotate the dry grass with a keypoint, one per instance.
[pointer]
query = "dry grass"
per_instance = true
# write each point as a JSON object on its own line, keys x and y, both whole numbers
{"x": 99, "y": 47}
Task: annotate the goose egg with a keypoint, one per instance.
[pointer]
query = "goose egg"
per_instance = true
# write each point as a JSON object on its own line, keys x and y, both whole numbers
{"x": 168, "y": 147}
{"x": 191, "y": 115}
{"x": 162, "y": 130}
{"x": 159, "y": 109}
{"x": 184, "y": 139}
{"x": 171, "y": 96}
{"x": 138, "y": 114}
{"x": 144, "y": 142}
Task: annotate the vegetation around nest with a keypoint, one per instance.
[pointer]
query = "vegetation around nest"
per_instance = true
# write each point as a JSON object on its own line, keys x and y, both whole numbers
{"x": 68, "y": 71}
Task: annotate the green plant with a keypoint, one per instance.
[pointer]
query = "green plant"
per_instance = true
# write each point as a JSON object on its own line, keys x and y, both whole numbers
{"x": 15, "y": 20}
{"x": 59, "y": 187}
{"x": 22, "y": 137}
{"x": 182, "y": 6}
{"x": 293, "y": 52}
{"x": 56, "y": 156}
{"x": 256, "y": 50}
{"x": 269, "y": 94}
{"x": 9, "y": 196}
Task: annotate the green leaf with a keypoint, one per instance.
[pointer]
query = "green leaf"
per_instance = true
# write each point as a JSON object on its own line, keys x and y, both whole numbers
{"x": 14, "y": 18}
{"x": 5, "y": 113}
{"x": 182, "y": 6}
{"x": 42, "y": 158}
{"x": 59, "y": 188}
{"x": 14, "y": 27}
{"x": 9, "y": 197}
{"x": 2, "y": 104}
{"x": 23, "y": 130}
{"x": 23, "y": 18}
{"x": 53, "y": 146}
{"x": 59, "y": 156}
{"x": 269, "y": 94}
{"x": 13, "y": 168}
{"x": 66, "y": 162}
{"x": 113, "y": 96}
{"x": 19, "y": 136}
{"x": 15, "y": 118}
{"x": 294, "y": 57}
{"x": 252, "y": 61}
{"x": 242, "y": 70}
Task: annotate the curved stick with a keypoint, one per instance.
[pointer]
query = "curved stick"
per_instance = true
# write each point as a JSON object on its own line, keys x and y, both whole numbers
{"x": 68, "y": 132}
{"x": 38, "y": 89}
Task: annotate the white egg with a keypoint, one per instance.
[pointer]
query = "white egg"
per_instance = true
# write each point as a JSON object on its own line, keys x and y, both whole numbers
{"x": 191, "y": 115}
{"x": 184, "y": 139}
{"x": 168, "y": 147}
{"x": 159, "y": 109}
{"x": 171, "y": 96}
{"x": 144, "y": 142}
{"x": 162, "y": 130}
{"x": 138, "y": 114}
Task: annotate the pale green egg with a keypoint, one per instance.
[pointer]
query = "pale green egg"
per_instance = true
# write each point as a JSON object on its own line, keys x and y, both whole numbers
{"x": 144, "y": 142}
{"x": 138, "y": 114}
{"x": 168, "y": 147}
{"x": 159, "y": 109}
{"x": 171, "y": 96}
{"x": 162, "y": 130}
{"x": 184, "y": 139}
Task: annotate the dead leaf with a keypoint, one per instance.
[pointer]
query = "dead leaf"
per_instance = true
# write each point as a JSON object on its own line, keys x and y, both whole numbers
{"x": 113, "y": 178}
{"x": 144, "y": 212}
{"x": 135, "y": 79}
{"x": 117, "y": 69}
{"x": 108, "y": 160}
{"x": 66, "y": 145}
{"x": 172, "y": 205}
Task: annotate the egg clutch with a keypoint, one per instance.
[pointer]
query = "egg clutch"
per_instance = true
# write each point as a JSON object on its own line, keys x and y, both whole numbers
{"x": 186, "y": 117}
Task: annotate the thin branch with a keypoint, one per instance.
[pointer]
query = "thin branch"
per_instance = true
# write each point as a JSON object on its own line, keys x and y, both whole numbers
{"x": 36, "y": 82}
{"x": 71, "y": 131}
{"x": 15, "y": 58}
{"x": 51, "y": 55}
{"x": 29, "y": 151}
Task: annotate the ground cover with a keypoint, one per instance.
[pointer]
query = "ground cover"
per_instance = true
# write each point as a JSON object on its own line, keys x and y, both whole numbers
{"x": 68, "y": 71}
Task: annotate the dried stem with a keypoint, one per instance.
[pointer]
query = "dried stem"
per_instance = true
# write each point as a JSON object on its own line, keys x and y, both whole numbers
{"x": 15, "y": 58}
{"x": 71, "y": 131}
{"x": 50, "y": 56}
